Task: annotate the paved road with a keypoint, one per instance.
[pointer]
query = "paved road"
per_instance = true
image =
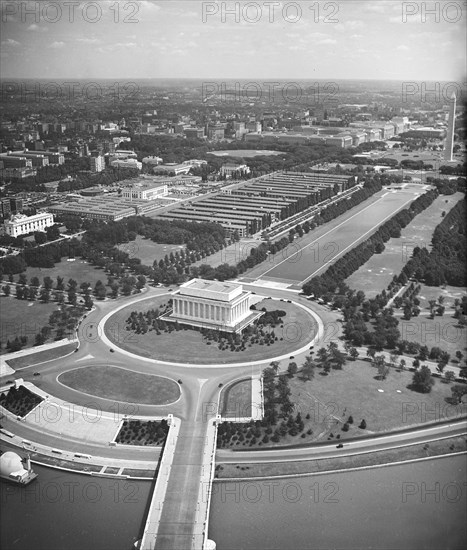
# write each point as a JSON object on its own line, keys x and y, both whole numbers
{"x": 370, "y": 444}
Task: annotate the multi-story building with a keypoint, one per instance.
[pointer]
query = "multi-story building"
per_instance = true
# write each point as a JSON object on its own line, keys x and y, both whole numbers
{"x": 97, "y": 163}
{"x": 231, "y": 170}
{"x": 216, "y": 131}
{"x": 55, "y": 157}
{"x": 16, "y": 204}
{"x": 5, "y": 206}
{"x": 11, "y": 161}
{"x": 145, "y": 192}
{"x": 38, "y": 160}
{"x": 22, "y": 225}
{"x": 194, "y": 133}
{"x": 253, "y": 126}
{"x": 127, "y": 163}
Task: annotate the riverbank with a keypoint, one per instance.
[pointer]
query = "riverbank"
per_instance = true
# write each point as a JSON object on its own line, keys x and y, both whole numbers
{"x": 410, "y": 453}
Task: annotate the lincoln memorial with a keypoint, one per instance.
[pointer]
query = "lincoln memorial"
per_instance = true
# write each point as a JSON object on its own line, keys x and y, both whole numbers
{"x": 212, "y": 304}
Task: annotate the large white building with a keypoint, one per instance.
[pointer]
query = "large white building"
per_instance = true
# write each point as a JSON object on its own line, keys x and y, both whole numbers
{"x": 212, "y": 304}
{"x": 22, "y": 225}
{"x": 126, "y": 163}
{"x": 97, "y": 163}
{"x": 145, "y": 192}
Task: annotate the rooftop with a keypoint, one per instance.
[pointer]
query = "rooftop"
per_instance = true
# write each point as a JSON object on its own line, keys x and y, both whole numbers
{"x": 213, "y": 286}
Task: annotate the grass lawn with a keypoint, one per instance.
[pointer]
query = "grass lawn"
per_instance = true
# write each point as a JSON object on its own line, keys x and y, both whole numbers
{"x": 353, "y": 391}
{"x": 79, "y": 270}
{"x": 236, "y": 400}
{"x": 148, "y": 251}
{"x": 450, "y": 293}
{"x": 22, "y": 318}
{"x": 122, "y": 385}
{"x": 231, "y": 255}
{"x": 442, "y": 332}
{"x": 187, "y": 346}
{"x": 378, "y": 271}
{"x": 41, "y": 356}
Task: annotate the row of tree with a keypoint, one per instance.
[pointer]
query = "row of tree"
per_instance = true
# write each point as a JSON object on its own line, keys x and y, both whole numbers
{"x": 329, "y": 282}
{"x": 445, "y": 263}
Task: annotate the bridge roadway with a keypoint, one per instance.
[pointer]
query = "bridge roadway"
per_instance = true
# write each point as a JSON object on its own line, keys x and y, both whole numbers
{"x": 179, "y": 510}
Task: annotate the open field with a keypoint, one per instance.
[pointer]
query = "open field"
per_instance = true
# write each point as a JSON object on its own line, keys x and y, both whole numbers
{"x": 79, "y": 270}
{"x": 314, "y": 252}
{"x": 232, "y": 254}
{"x": 22, "y": 318}
{"x": 148, "y": 251}
{"x": 353, "y": 391}
{"x": 185, "y": 345}
{"x": 122, "y": 385}
{"x": 236, "y": 400}
{"x": 450, "y": 293}
{"x": 378, "y": 271}
{"x": 442, "y": 332}
{"x": 245, "y": 153}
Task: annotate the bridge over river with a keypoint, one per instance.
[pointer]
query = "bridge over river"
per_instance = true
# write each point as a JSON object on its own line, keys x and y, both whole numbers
{"x": 179, "y": 511}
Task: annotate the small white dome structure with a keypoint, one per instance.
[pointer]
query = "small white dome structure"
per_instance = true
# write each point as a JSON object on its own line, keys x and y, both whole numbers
{"x": 12, "y": 468}
{"x": 10, "y": 462}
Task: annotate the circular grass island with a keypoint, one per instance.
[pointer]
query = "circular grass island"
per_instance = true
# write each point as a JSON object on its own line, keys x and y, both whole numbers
{"x": 188, "y": 345}
{"x": 121, "y": 384}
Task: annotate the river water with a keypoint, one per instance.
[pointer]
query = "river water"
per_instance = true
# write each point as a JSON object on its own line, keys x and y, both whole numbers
{"x": 381, "y": 508}
{"x": 415, "y": 506}
{"x": 67, "y": 511}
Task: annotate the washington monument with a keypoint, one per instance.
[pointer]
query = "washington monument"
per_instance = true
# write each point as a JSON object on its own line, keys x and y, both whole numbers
{"x": 450, "y": 134}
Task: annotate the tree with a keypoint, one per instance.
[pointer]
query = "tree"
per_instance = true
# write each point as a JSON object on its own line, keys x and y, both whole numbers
{"x": 72, "y": 297}
{"x": 458, "y": 391}
{"x": 362, "y": 425}
{"x": 88, "y": 303}
{"x": 48, "y": 283}
{"x": 6, "y": 290}
{"x": 449, "y": 376}
{"x": 40, "y": 237}
{"x": 72, "y": 284}
{"x": 308, "y": 369}
{"x": 44, "y": 295}
{"x": 292, "y": 369}
{"x": 422, "y": 380}
{"x": 459, "y": 355}
{"x": 274, "y": 366}
{"x": 353, "y": 354}
{"x": 382, "y": 366}
{"x": 32, "y": 293}
{"x": 35, "y": 281}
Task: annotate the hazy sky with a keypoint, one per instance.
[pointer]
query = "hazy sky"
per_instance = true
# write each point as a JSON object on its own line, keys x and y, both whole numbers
{"x": 263, "y": 40}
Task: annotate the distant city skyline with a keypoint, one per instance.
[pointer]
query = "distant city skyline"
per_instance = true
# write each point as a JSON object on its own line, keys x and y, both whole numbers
{"x": 188, "y": 39}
